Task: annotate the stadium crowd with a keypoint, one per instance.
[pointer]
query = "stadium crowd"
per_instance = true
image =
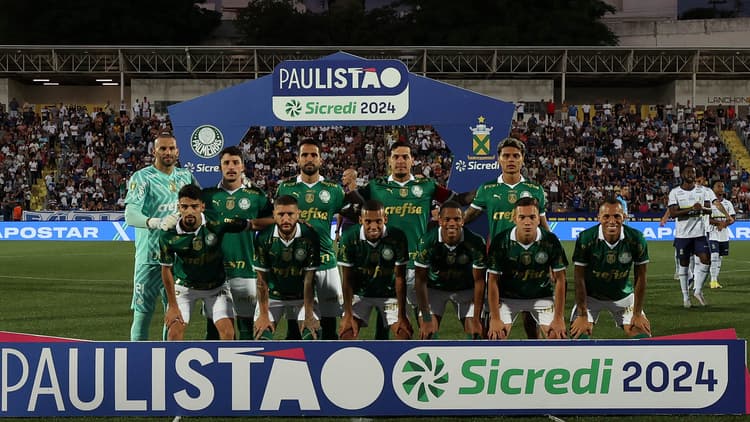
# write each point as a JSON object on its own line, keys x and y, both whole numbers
{"x": 580, "y": 154}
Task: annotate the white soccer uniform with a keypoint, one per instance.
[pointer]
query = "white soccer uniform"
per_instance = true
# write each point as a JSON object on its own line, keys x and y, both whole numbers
{"x": 713, "y": 232}
{"x": 694, "y": 226}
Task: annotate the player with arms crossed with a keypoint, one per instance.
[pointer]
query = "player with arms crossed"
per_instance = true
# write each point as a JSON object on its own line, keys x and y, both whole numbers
{"x": 603, "y": 257}
{"x": 287, "y": 254}
{"x": 450, "y": 266}
{"x": 372, "y": 258}
{"x": 151, "y": 204}
{"x": 519, "y": 264}
{"x": 192, "y": 267}
{"x": 718, "y": 235}
{"x": 231, "y": 199}
{"x": 319, "y": 200}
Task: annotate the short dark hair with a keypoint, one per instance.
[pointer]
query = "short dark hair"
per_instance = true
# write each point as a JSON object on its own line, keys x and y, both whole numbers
{"x": 372, "y": 205}
{"x": 285, "y": 200}
{"x": 307, "y": 141}
{"x": 232, "y": 150}
{"x": 449, "y": 204}
{"x": 526, "y": 201}
{"x": 190, "y": 191}
{"x": 399, "y": 144}
{"x": 611, "y": 200}
{"x": 165, "y": 133}
{"x": 512, "y": 142}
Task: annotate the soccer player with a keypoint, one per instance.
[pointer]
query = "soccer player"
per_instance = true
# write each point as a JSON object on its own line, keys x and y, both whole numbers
{"x": 319, "y": 200}
{"x": 230, "y": 199}
{"x": 373, "y": 257}
{"x": 287, "y": 255}
{"x": 603, "y": 257}
{"x": 450, "y": 266}
{"x": 687, "y": 205}
{"x": 407, "y": 202}
{"x": 192, "y": 267}
{"x": 519, "y": 264}
{"x": 499, "y": 196}
{"x": 152, "y": 200}
{"x": 718, "y": 235}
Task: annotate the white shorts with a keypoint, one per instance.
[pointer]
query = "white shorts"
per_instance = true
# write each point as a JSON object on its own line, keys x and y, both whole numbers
{"x": 243, "y": 295}
{"x": 328, "y": 292}
{"x": 541, "y": 309}
{"x": 463, "y": 301}
{"x": 217, "y": 303}
{"x": 362, "y": 306}
{"x": 621, "y": 310}
{"x": 294, "y": 309}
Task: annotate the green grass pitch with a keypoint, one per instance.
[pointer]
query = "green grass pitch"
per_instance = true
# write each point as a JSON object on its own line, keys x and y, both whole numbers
{"x": 83, "y": 290}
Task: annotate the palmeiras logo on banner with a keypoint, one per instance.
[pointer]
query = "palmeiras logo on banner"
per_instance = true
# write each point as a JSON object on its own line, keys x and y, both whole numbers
{"x": 481, "y": 157}
{"x": 349, "y": 90}
{"x": 206, "y": 142}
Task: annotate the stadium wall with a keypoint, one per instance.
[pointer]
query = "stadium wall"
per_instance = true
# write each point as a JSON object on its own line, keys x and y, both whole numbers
{"x": 662, "y": 93}
{"x": 713, "y": 92}
{"x": 682, "y": 33}
{"x": 176, "y": 90}
{"x": 9, "y": 89}
{"x": 509, "y": 90}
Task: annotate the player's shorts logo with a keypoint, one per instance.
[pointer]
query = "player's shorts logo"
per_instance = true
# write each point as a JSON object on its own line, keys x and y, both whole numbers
{"x": 244, "y": 203}
{"x": 541, "y": 257}
{"x": 387, "y": 253}
{"x": 300, "y": 254}
{"x": 625, "y": 258}
{"x": 324, "y": 196}
{"x": 206, "y": 141}
{"x": 417, "y": 191}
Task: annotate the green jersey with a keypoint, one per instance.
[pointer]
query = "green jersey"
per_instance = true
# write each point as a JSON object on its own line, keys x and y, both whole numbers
{"x": 450, "y": 268}
{"x": 523, "y": 270}
{"x": 407, "y": 205}
{"x": 196, "y": 256}
{"x": 155, "y": 195}
{"x": 285, "y": 263}
{"x": 498, "y": 199}
{"x": 608, "y": 266}
{"x": 373, "y": 264}
{"x": 246, "y": 203}
{"x": 318, "y": 203}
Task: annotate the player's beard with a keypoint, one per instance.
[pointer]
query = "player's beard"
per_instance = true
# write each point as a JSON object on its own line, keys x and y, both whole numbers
{"x": 189, "y": 222}
{"x": 287, "y": 230}
{"x": 310, "y": 169}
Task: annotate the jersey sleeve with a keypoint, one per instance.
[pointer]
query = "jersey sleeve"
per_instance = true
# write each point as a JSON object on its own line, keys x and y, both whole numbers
{"x": 480, "y": 199}
{"x": 558, "y": 261}
{"x": 345, "y": 253}
{"x": 495, "y": 254}
{"x": 640, "y": 254}
{"x": 138, "y": 188}
{"x": 672, "y": 199}
{"x": 424, "y": 252}
{"x": 442, "y": 193}
{"x": 581, "y": 252}
{"x": 402, "y": 253}
{"x": 479, "y": 254}
{"x": 166, "y": 256}
{"x": 260, "y": 260}
{"x": 265, "y": 208}
{"x": 313, "y": 258}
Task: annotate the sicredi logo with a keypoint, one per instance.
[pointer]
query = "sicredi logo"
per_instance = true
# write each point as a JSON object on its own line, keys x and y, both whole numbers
{"x": 340, "y": 90}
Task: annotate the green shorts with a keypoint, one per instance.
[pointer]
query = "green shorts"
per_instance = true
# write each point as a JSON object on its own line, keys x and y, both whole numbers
{"x": 147, "y": 286}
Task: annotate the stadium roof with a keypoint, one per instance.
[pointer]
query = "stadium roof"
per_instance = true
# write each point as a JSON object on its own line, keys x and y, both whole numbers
{"x": 81, "y": 65}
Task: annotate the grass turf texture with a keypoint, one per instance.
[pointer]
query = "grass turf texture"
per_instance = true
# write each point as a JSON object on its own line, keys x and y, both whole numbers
{"x": 83, "y": 290}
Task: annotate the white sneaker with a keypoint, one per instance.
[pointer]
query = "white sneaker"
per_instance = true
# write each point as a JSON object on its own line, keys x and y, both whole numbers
{"x": 676, "y": 276}
{"x": 686, "y": 303}
{"x": 700, "y": 298}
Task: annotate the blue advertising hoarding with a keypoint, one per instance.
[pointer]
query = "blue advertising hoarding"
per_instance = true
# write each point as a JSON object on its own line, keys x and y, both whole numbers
{"x": 404, "y": 378}
{"x": 83, "y": 231}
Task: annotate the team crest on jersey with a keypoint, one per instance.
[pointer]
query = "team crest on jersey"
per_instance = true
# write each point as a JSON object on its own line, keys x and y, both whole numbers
{"x": 450, "y": 259}
{"x": 611, "y": 258}
{"x": 230, "y": 203}
{"x": 172, "y": 186}
{"x": 300, "y": 254}
{"x": 512, "y": 197}
{"x": 526, "y": 259}
{"x": 404, "y": 192}
{"x": 463, "y": 259}
{"x": 625, "y": 258}
{"x": 541, "y": 257}
{"x": 244, "y": 203}
{"x": 387, "y": 253}
{"x": 324, "y": 196}
{"x": 211, "y": 239}
{"x": 197, "y": 243}
{"x": 286, "y": 255}
{"x": 309, "y": 197}
{"x": 417, "y": 191}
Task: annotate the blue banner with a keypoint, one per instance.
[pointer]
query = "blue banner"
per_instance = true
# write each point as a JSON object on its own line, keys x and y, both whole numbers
{"x": 740, "y": 230}
{"x": 67, "y": 230}
{"x": 73, "y": 216}
{"x": 389, "y": 378}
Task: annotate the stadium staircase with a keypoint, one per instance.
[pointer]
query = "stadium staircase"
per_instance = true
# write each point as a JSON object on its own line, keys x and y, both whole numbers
{"x": 736, "y": 148}
{"x": 39, "y": 190}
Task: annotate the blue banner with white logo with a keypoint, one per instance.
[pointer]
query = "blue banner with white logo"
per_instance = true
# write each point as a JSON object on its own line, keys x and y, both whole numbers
{"x": 389, "y": 378}
{"x": 343, "y": 89}
{"x": 84, "y": 231}
{"x": 565, "y": 230}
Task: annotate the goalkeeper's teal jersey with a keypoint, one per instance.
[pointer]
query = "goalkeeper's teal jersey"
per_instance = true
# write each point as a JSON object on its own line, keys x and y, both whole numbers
{"x": 499, "y": 198}
{"x": 608, "y": 266}
{"x": 523, "y": 271}
{"x": 196, "y": 256}
{"x": 317, "y": 204}
{"x": 155, "y": 194}
{"x": 247, "y": 203}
